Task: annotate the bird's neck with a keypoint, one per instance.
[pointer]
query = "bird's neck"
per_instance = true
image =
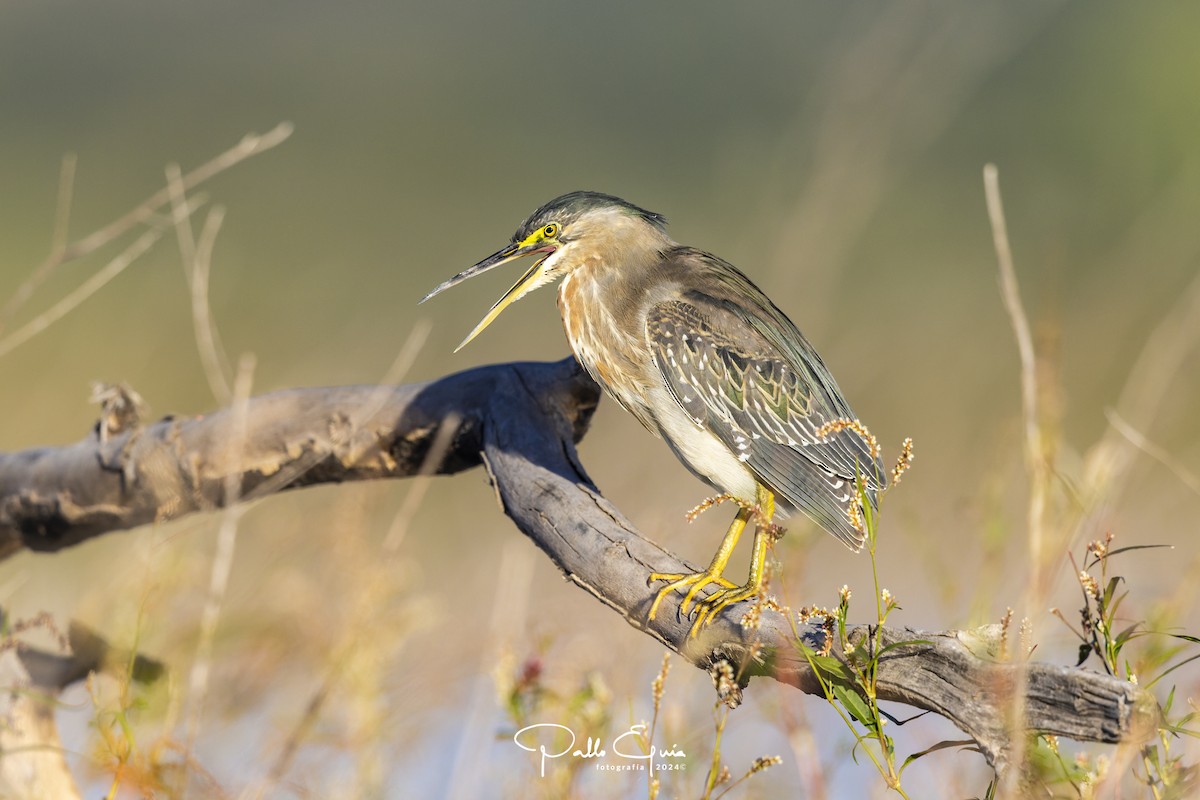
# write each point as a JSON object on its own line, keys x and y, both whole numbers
{"x": 603, "y": 303}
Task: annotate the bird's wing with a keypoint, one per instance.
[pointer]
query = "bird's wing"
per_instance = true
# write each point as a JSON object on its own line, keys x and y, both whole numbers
{"x": 766, "y": 403}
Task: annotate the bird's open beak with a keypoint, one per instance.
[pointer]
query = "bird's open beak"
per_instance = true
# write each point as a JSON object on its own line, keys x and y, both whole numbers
{"x": 527, "y": 282}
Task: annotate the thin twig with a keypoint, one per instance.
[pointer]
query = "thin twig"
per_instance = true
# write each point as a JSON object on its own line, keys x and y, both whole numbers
{"x": 403, "y": 362}
{"x": 904, "y": 56}
{"x": 208, "y": 341}
{"x": 1157, "y": 367}
{"x": 509, "y": 608}
{"x": 420, "y": 487}
{"x": 409, "y": 351}
{"x": 62, "y": 209}
{"x": 183, "y": 228}
{"x": 1011, "y": 294}
{"x": 222, "y": 559}
{"x": 299, "y": 731}
{"x": 250, "y": 145}
{"x": 1034, "y": 459}
{"x": 1158, "y": 453}
{"x": 58, "y": 241}
{"x": 197, "y": 264}
{"x": 83, "y": 292}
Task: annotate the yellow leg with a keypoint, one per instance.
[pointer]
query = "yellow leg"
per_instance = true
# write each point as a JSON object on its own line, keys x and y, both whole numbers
{"x": 699, "y": 580}
{"x": 708, "y": 608}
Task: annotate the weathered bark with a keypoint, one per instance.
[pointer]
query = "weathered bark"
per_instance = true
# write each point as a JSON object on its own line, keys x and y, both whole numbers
{"x": 126, "y": 474}
{"x": 522, "y": 420}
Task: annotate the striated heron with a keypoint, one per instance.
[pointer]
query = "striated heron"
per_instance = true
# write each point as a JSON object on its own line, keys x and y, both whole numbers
{"x": 688, "y": 345}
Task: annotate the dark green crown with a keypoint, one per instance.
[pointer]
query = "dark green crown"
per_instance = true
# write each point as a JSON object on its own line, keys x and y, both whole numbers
{"x": 568, "y": 208}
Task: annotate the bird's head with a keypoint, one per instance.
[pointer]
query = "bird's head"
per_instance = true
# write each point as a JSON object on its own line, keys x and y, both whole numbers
{"x": 565, "y": 233}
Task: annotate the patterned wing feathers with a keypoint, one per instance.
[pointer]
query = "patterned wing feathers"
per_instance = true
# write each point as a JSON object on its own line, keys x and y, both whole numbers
{"x": 766, "y": 408}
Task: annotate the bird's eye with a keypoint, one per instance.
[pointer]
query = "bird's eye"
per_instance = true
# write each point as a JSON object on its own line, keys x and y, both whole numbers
{"x": 550, "y": 231}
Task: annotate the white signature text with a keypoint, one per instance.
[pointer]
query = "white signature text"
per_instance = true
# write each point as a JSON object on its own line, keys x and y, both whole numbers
{"x": 527, "y": 739}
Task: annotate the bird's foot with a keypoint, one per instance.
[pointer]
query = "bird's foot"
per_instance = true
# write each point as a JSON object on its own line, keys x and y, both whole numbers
{"x": 708, "y": 608}
{"x": 679, "y": 582}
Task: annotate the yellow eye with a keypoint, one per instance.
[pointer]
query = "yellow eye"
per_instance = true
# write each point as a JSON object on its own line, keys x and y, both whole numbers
{"x": 550, "y": 231}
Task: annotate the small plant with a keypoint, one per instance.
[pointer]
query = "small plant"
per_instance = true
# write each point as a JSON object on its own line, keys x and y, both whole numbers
{"x": 849, "y": 682}
{"x": 1108, "y": 637}
{"x": 530, "y": 703}
{"x": 719, "y": 776}
{"x": 528, "y": 700}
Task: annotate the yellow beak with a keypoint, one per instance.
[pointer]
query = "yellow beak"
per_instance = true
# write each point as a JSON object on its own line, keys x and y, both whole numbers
{"x": 527, "y": 282}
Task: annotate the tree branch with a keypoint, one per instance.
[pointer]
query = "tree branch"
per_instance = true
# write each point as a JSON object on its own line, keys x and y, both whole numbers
{"x": 522, "y": 420}
{"x": 126, "y": 474}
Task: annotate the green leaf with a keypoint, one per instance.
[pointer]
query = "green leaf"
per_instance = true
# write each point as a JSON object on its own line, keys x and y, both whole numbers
{"x": 945, "y": 745}
{"x": 1124, "y": 635}
{"x": 1107, "y": 595}
{"x": 1171, "y": 669}
{"x": 1112, "y": 553}
{"x": 1111, "y": 610}
{"x": 854, "y": 703}
{"x": 1181, "y": 731}
{"x": 1151, "y": 755}
{"x": 869, "y": 523}
{"x": 831, "y": 669}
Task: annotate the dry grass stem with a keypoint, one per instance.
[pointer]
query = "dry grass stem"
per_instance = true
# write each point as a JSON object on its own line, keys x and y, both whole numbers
{"x": 296, "y": 736}
{"x": 903, "y": 461}
{"x": 369, "y": 409}
{"x": 838, "y": 425}
{"x": 1159, "y": 454}
{"x": 1011, "y": 294}
{"x": 58, "y": 241}
{"x": 62, "y": 211}
{"x": 222, "y": 561}
{"x": 1034, "y": 458}
{"x": 212, "y": 357}
{"x": 705, "y": 505}
{"x": 907, "y": 57}
{"x": 509, "y": 610}
{"x": 80, "y": 294}
{"x": 183, "y": 230}
{"x": 1158, "y": 365}
{"x": 419, "y": 487}
{"x": 1005, "y": 624}
{"x": 656, "y": 688}
{"x": 60, "y": 253}
{"x": 374, "y": 403}
{"x": 372, "y": 587}
{"x": 197, "y": 266}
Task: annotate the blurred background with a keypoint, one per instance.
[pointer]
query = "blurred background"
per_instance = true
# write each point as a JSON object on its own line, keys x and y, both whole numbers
{"x": 832, "y": 151}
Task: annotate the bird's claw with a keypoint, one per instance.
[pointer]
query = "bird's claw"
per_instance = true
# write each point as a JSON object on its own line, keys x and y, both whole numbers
{"x": 708, "y": 608}
{"x": 680, "y": 581}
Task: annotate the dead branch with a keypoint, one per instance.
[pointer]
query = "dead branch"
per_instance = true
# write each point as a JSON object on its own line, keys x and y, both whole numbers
{"x": 522, "y": 421}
